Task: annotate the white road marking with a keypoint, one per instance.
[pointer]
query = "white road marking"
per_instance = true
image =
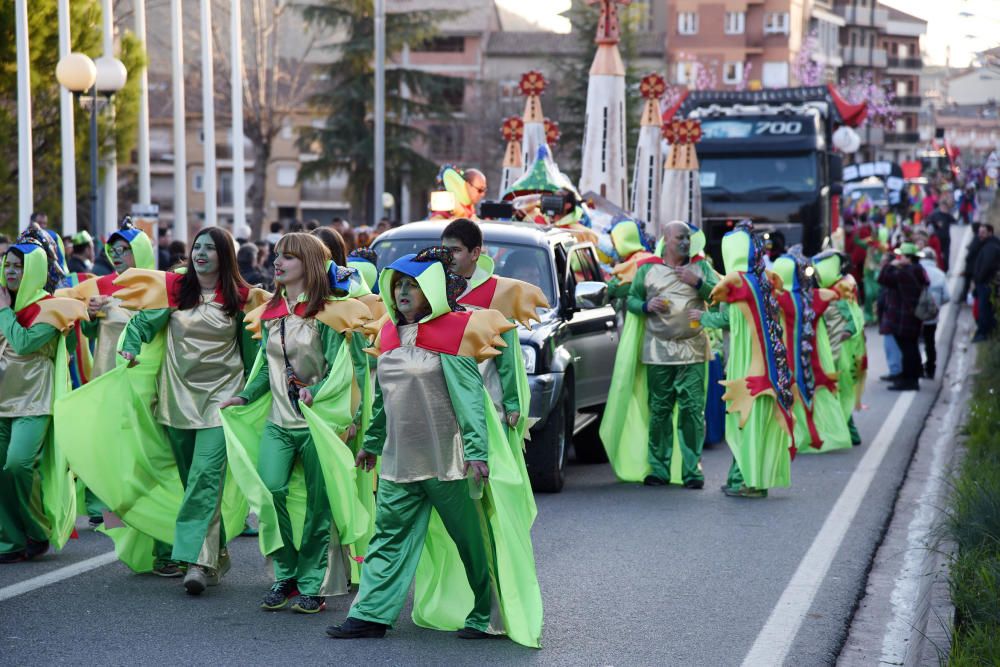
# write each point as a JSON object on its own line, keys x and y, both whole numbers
{"x": 42, "y": 580}
{"x": 775, "y": 640}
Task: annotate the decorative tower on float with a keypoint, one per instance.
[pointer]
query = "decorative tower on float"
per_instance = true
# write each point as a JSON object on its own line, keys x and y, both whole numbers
{"x": 532, "y": 86}
{"x": 513, "y": 157}
{"x": 603, "y": 161}
{"x": 680, "y": 198}
{"x": 648, "y": 174}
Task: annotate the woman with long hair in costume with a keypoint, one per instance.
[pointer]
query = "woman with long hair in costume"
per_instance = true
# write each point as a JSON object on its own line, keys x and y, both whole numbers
{"x": 295, "y": 412}
{"x": 33, "y": 372}
{"x": 186, "y": 352}
{"x": 440, "y": 441}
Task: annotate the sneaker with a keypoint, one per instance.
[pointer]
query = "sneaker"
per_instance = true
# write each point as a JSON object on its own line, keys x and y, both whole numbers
{"x": 196, "y": 579}
{"x": 744, "y": 492}
{"x": 694, "y": 484}
{"x": 653, "y": 480}
{"x": 474, "y": 633}
{"x": 36, "y": 548}
{"x": 13, "y": 557}
{"x": 355, "y": 628}
{"x": 891, "y": 377}
{"x": 309, "y": 604}
{"x": 277, "y": 597}
{"x": 225, "y": 564}
{"x": 168, "y": 569}
{"x": 95, "y": 521}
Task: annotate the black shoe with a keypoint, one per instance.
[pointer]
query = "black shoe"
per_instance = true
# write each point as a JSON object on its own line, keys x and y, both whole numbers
{"x": 36, "y": 548}
{"x": 309, "y": 604}
{"x": 929, "y": 373}
{"x": 277, "y": 597}
{"x": 473, "y": 633}
{"x": 891, "y": 377}
{"x": 653, "y": 480}
{"x": 905, "y": 386}
{"x": 95, "y": 521}
{"x": 694, "y": 484}
{"x": 13, "y": 557}
{"x": 168, "y": 569}
{"x": 355, "y": 628}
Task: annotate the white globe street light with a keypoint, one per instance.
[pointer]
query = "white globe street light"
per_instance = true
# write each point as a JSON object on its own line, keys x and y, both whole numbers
{"x": 111, "y": 75}
{"x": 76, "y": 72}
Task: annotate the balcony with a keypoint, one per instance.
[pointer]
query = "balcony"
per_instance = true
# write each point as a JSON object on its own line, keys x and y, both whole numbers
{"x": 908, "y": 101}
{"x": 907, "y": 138}
{"x": 905, "y": 63}
{"x": 872, "y": 136}
{"x": 864, "y": 16}
{"x": 862, "y": 56}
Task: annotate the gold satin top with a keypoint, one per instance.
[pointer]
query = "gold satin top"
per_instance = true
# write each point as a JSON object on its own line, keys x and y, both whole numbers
{"x": 422, "y": 440}
{"x": 201, "y": 368}
{"x": 670, "y": 339}
{"x": 27, "y": 380}
{"x": 305, "y": 354}
{"x": 113, "y": 321}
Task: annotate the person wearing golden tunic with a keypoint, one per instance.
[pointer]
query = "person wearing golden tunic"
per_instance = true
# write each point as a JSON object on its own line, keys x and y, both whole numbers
{"x": 33, "y": 372}
{"x": 206, "y": 356}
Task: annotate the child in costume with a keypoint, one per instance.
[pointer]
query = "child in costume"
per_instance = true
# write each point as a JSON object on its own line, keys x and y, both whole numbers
{"x": 37, "y": 492}
{"x": 661, "y": 363}
{"x": 302, "y": 382}
{"x": 205, "y": 355}
{"x": 819, "y": 423}
{"x": 758, "y": 381}
{"x": 440, "y": 443}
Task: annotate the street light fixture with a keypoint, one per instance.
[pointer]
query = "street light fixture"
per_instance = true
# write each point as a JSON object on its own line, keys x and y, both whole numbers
{"x": 81, "y": 75}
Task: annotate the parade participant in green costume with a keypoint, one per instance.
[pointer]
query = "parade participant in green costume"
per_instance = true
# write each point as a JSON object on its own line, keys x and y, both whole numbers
{"x": 304, "y": 367}
{"x": 37, "y": 491}
{"x": 758, "y": 381}
{"x": 846, "y": 326}
{"x": 632, "y": 247}
{"x": 476, "y": 573}
{"x": 661, "y": 362}
{"x": 876, "y": 246}
{"x": 819, "y": 423}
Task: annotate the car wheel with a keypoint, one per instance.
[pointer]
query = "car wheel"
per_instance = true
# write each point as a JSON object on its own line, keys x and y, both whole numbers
{"x": 588, "y": 445}
{"x": 545, "y": 454}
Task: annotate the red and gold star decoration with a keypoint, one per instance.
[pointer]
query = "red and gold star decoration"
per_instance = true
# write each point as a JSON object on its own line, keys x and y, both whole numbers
{"x": 552, "y": 132}
{"x": 532, "y": 83}
{"x": 652, "y": 86}
{"x": 512, "y": 129}
{"x": 686, "y": 131}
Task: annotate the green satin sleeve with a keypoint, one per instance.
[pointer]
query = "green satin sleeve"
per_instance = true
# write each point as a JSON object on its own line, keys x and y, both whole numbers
{"x": 465, "y": 387}
{"x": 375, "y": 436}
{"x": 25, "y": 340}
{"x": 260, "y": 383}
{"x": 507, "y": 367}
{"x": 617, "y": 289}
{"x": 91, "y": 328}
{"x": 716, "y": 318}
{"x": 636, "y": 301}
{"x": 709, "y": 280}
{"x": 359, "y": 361}
{"x": 143, "y": 327}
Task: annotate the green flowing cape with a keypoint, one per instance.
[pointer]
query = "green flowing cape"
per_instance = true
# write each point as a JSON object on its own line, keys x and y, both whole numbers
{"x": 123, "y": 456}
{"x": 329, "y": 416}
{"x": 442, "y": 596}
{"x": 826, "y": 409}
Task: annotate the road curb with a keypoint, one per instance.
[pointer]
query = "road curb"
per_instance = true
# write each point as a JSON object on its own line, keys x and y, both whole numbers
{"x": 905, "y": 615}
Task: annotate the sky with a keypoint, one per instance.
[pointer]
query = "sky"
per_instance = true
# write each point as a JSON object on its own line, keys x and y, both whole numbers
{"x": 967, "y": 26}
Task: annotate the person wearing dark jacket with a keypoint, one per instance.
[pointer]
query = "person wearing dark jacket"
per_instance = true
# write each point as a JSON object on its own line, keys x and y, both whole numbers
{"x": 903, "y": 280}
{"x": 970, "y": 262}
{"x": 984, "y": 272}
{"x": 940, "y": 222}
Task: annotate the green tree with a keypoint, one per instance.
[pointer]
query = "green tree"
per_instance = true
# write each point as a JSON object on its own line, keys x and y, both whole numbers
{"x": 572, "y": 74}
{"x": 85, "y": 22}
{"x": 347, "y": 95}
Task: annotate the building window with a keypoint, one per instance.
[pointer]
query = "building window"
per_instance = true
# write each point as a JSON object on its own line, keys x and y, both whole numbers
{"x": 445, "y": 140}
{"x": 735, "y": 23}
{"x": 686, "y": 72}
{"x": 775, "y": 75}
{"x": 687, "y": 23}
{"x": 198, "y": 181}
{"x": 453, "y": 93}
{"x": 732, "y": 72}
{"x": 286, "y": 176}
{"x": 776, "y": 23}
{"x": 442, "y": 45}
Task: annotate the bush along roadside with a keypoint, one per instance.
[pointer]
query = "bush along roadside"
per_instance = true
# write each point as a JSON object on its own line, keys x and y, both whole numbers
{"x": 973, "y": 523}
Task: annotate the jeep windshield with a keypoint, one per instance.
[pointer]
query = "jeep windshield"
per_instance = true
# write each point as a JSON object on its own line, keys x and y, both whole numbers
{"x": 757, "y": 177}
{"x": 523, "y": 262}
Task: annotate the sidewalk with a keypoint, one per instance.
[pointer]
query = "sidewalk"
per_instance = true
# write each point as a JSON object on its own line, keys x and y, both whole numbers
{"x": 905, "y": 616}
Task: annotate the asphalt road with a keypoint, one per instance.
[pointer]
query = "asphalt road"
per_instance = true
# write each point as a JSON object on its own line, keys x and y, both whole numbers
{"x": 630, "y": 576}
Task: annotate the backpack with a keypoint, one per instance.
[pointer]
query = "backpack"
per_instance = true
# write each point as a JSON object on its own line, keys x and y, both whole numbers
{"x": 926, "y": 308}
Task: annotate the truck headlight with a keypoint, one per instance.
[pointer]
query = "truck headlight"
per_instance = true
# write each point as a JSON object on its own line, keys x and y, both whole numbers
{"x": 530, "y": 355}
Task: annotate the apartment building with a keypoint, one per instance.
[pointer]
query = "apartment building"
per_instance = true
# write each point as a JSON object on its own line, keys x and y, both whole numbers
{"x": 863, "y": 53}
{"x": 901, "y": 43}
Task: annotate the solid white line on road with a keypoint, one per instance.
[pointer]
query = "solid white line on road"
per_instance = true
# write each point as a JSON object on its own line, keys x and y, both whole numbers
{"x": 35, "y": 583}
{"x": 775, "y": 640}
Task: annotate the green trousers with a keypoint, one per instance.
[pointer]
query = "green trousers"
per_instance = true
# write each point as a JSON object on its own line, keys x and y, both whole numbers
{"x": 21, "y": 440}
{"x": 682, "y": 385}
{"x": 201, "y": 462}
{"x": 401, "y": 515}
{"x": 279, "y": 447}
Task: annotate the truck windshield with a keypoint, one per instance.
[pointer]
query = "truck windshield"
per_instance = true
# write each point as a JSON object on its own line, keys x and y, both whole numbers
{"x": 528, "y": 263}
{"x": 765, "y": 175}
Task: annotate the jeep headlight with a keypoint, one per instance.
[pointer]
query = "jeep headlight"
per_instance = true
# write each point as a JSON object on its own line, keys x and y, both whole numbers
{"x": 530, "y": 355}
